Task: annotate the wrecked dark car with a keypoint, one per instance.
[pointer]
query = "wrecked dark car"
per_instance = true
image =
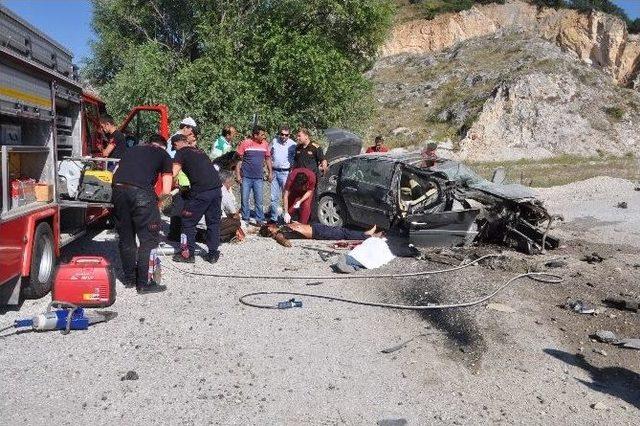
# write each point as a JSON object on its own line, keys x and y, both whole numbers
{"x": 442, "y": 203}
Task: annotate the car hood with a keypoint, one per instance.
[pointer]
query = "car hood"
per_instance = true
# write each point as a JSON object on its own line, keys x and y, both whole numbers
{"x": 463, "y": 174}
{"x": 341, "y": 143}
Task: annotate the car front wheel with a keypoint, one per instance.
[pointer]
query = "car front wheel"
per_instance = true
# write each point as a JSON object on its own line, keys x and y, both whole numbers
{"x": 330, "y": 211}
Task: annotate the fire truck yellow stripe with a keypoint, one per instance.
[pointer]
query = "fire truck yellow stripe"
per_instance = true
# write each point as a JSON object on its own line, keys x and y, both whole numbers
{"x": 25, "y": 97}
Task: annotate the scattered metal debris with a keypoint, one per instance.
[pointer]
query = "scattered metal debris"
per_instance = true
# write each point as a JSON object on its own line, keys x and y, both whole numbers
{"x": 131, "y": 375}
{"x": 580, "y": 307}
{"x": 592, "y": 258}
{"x": 628, "y": 343}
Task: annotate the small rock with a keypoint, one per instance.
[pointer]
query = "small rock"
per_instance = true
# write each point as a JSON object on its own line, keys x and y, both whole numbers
{"x": 556, "y": 263}
{"x": 600, "y": 351}
{"x": 592, "y": 258}
{"x": 629, "y": 343}
{"x": 604, "y": 336}
{"x": 392, "y": 422}
{"x": 400, "y": 130}
{"x": 131, "y": 375}
{"x": 622, "y": 205}
{"x": 500, "y": 308}
{"x": 599, "y": 406}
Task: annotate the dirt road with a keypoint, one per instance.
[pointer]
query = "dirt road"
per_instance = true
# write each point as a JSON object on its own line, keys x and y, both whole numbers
{"x": 201, "y": 357}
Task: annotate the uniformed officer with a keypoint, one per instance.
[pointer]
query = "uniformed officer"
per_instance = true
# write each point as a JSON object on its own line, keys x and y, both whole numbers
{"x": 136, "y": 209}
{"x": 309, "y": 155}
{"x": 204, "y": 198}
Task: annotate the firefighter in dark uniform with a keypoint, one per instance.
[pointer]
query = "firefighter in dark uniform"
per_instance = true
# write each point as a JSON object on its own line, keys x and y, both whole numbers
{"x": 203, "y": 199}
{"x": 136, "y": 209}
{"x": 116, "y": 141}
{"x": 310, "y": 156}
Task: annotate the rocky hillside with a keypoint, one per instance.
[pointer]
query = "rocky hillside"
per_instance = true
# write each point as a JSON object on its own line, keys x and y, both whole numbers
{"x": 510, "y": 81}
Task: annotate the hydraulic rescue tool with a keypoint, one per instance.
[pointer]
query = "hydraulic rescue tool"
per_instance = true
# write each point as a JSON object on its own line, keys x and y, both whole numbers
{"x": 66, "y": 318}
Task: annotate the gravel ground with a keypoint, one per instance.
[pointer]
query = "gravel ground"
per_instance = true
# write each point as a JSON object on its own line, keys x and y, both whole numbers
{"x": 202, "y": 357}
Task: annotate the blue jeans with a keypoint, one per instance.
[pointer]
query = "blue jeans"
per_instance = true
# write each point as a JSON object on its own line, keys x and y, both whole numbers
{"x": 277, "y": 186}
{"x": 249, "y": 184}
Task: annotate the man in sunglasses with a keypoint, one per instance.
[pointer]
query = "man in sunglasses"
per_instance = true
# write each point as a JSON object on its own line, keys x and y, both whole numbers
{"x": 283, "y": 151}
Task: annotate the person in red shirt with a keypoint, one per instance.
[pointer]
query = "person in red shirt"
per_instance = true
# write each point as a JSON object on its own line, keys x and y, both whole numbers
{"x": 298, "y": 194}
{"x": 378, "y": 146}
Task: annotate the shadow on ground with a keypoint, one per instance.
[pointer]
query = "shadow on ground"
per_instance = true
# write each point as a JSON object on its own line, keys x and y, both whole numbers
{"x": 615, "y": 381}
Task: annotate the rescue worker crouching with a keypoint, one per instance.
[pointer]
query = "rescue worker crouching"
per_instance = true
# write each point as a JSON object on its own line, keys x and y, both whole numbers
{"x": 136, "y": 209}
{"x": 203, "y": 199}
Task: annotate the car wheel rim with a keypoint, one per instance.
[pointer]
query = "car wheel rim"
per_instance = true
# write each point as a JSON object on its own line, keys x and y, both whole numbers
{"x": 46, "y": 261}
{"x": 329, "y": 213}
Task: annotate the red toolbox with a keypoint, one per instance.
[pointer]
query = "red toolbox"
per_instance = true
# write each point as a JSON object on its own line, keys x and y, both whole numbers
{"x": 86, "y": 281}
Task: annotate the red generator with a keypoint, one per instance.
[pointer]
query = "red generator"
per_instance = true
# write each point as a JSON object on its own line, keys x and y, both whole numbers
{"x": 86, "y": 281}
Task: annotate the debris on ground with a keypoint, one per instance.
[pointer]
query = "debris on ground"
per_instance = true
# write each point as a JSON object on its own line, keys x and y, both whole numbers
{"x": 628, "y": 343}
{"x": 592, "y": 258}
{"x": 604, "y": 336}
{"x": 600, "y": 352}
{"x": 622, "y": 304}
{"x": 599, "y": 406}
{"x": 580, "y": 307}
{"x": 556, "y": 263}
{"x": 622, "y": 205}
{"x": 500, "y": 308}
{"x": 131, "y": 375}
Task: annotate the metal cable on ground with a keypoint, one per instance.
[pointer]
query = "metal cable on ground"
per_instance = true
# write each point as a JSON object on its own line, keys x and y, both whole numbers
{"x": 335, "y": 277}
{"x": 536, "y": 276}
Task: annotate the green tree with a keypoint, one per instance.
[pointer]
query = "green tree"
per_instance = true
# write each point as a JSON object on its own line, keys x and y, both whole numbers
{"x": 292, "y": 61}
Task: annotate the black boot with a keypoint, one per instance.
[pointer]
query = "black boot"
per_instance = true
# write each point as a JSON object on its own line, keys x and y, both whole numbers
{"x": 212, "y": 257}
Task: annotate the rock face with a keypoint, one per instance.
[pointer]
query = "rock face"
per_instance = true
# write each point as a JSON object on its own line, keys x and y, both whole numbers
{"x": 541, "y": 115}
{"x": 596, "y": 38}
{"x": 505, "y": 96}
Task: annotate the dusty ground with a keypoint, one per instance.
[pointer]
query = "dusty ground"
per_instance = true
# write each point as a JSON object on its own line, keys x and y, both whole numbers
{"x": 202, "y": 357}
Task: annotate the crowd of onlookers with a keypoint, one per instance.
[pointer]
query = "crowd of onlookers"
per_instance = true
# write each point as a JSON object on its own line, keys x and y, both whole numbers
{"x": 201, "y": 188}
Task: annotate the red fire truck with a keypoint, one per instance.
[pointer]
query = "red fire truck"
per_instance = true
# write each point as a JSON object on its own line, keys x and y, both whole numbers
{"x": 49, "y": 134}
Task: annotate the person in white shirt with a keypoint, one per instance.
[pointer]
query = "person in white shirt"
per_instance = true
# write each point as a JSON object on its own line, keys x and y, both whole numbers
{"x": 283, "y": 151}
{"x": 230, "y": 224}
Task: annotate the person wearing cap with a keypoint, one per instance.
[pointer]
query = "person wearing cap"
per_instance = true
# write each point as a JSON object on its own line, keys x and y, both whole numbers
{"x": 135, "y": 209}
{"x": 283, "y": 152}
{"x": 222, "y": 145}
{"x": 254, "y": 153}
{"x": 187, "y": 127}
{"x": 378, "y": 146}
{"x": 204, "y": 198}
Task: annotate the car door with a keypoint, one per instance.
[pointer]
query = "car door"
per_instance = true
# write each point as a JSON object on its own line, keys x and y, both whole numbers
{"x": 143, "y": 121}
{"x": 365, "y": 185}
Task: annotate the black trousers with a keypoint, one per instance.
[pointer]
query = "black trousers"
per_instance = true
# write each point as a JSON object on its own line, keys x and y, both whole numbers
{"x": 324, "y": 232}
{"x": 196, "y": 205}
{"x": 136, "y": 214}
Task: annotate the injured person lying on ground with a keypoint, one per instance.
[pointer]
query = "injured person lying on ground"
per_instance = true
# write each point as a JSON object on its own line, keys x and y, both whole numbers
{"x": 315, "y": 231}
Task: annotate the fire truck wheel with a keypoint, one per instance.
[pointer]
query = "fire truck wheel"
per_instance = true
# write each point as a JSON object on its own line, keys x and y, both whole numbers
{"x": 38, "y": 284}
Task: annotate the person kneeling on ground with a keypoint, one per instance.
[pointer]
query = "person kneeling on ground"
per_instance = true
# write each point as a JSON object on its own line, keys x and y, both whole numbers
{"x": 298, "y": 195}
{"x": 230, "y": 224}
